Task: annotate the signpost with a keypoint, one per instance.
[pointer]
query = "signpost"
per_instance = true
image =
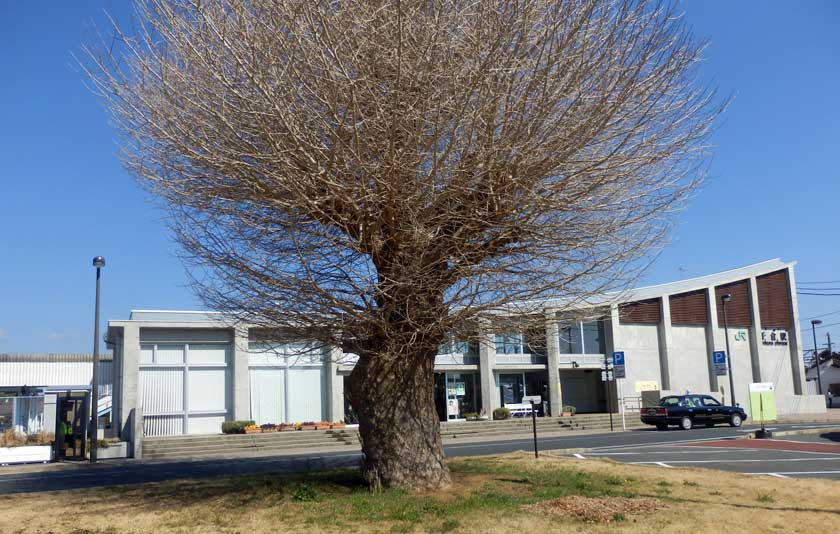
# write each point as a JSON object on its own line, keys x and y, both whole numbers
{"x": 763, "y": 406}
{"x": 535, "y": 401}
{"x": 719, "y": 360}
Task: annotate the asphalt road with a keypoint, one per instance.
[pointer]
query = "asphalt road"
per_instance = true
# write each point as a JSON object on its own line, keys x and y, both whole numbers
{"x": 800, "y": 456}
{"x": 610, "y": 445}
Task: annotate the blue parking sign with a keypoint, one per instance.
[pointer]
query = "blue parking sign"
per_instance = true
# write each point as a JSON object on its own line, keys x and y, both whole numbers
{"x": 618, "y": 358}
{"x": 618, "y": 364}
{"x": 719, "y": 361}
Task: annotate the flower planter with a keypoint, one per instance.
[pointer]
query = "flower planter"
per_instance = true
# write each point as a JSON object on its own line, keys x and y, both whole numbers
{"x": 26, "y": 454}
{"x": 117, "y": 450}
{"x": 338, "y": 426}
{"x": 323, "y": 426}
{"x": 290, "y": 428}
{"x": 308, "y": 427}
{"x": 567, "y": 414}
{"x": 253, "y": 431}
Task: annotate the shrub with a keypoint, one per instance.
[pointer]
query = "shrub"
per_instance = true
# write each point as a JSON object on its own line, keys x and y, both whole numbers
{"x": 501, "y": 413}
{"x": 569, "y": 408}
{"x": 471, "y": 416}
{"x": 235, "y": 427}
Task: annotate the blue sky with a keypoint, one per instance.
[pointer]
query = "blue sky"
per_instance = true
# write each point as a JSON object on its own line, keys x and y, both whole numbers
{"x": 773, "y": 192}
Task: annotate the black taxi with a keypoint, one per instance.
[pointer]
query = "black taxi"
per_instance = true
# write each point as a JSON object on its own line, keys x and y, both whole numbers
{"x": 687, "y": 411}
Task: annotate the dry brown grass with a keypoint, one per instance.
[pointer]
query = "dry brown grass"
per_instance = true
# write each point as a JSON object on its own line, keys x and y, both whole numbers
{"x": 494, "y": 494}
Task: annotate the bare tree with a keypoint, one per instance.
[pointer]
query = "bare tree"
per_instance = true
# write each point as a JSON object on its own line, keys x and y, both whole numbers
{"x": 375, "y": 175}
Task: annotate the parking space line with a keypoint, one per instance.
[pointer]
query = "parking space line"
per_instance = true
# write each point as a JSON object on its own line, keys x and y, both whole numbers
{"x": 663, "y": 464}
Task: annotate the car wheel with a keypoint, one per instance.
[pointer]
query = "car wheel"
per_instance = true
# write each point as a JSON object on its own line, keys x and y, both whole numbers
{"x": 661, "y": 426}
{"x": 685, "y": 423}
{"x": 735, "y": 420}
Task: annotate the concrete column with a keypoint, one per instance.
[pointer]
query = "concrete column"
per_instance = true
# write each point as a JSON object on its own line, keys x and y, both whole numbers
{"x": 487, "y": 361}
{"x": 797, "y": 365}
{"x": 335, "y": 385}
{"x": 129, "y": 369}
{"x": 713, "y": 337}
{"x": 241, "y": 378}
{"x": 755, "y": 331}
{"x": 665, "y": 343}
{"x": 552, "y": 344}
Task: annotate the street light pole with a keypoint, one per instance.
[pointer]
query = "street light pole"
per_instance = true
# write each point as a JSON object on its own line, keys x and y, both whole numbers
{"x": 814, "y": 324}
{"x": 726, "y": 298}
{"x": 98, "y": 262}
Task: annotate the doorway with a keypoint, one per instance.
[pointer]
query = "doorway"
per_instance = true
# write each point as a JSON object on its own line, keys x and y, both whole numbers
{"x": 71, "y": 427}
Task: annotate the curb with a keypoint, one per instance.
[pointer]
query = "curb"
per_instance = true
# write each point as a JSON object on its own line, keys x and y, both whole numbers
{"x": 803, "y": 432}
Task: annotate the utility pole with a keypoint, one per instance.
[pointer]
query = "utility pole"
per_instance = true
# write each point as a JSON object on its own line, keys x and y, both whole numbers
{"x": 814, "y": 324}
{"x": 99, "y": 263}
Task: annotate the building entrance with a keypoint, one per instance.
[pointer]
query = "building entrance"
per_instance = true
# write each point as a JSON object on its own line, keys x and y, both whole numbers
{"x": 71, "y": 426}
{"x": 456, "y": 395}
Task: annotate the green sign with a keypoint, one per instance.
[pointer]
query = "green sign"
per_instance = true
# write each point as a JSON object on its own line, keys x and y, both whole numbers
{"x": 762, "y": 402}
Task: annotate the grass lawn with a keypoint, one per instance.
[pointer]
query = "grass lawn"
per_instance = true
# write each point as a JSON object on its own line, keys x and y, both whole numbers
{"x": 511, "y": 493}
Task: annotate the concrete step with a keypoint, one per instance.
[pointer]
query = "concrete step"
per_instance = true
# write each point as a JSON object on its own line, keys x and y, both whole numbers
{"x": 217, "y": 451}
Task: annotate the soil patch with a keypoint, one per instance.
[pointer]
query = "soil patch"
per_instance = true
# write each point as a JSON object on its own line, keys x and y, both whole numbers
{"x": 597, "y": 509}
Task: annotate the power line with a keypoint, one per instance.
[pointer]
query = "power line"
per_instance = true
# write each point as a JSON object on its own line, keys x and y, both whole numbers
{"x": 820, "y": 289}
{"x": 820, "y": 315}
{"x": 815, "y": 283}
{"x": 819, "y": 294}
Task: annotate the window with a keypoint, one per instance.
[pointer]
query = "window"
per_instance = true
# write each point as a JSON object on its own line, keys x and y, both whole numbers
{"x": 709, "y": 401}
{"x": 593, "y": 337}
{"x": 669, "y": 401}
{"x": 570, "y": 339}
{"x": 509, "y": 343}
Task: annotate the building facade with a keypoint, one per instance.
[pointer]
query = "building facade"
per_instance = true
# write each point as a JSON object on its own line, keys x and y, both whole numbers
{"x": 179, "y": 372}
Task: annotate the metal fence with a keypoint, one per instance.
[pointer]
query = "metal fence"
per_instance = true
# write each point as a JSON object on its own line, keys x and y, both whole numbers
{"x": 24, "y": 415}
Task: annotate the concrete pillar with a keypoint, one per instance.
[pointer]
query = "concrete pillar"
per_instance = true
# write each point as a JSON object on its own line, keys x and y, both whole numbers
{"x": 552, "y": 344}
{"x": 129, "y": 369}
{"x": 755, "y": 331}
{"x": 241, "y": 386}
{"x": 665, "y": 343}
{"x": 795, "y": 338}
{"x": 335, "y": 385}
{"x": 487, "y": 361}
{"x": 713, "y": 337}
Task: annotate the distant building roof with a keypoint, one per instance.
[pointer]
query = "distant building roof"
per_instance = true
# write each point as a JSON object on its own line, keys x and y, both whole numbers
{"x": 51, "y": 357}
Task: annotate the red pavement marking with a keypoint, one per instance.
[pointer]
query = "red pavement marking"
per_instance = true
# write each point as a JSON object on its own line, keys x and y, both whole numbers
{"x": 774, "y": 444}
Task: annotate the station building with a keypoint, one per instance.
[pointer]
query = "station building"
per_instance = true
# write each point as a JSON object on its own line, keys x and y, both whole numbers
{"x": 185, "y": 372}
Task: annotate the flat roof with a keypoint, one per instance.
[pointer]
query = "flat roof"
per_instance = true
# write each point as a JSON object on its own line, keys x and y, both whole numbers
{"x": 640, "y": 293}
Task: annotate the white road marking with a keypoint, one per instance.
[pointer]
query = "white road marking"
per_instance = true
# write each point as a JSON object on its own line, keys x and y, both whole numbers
{"x": 756, "y": 460}
{"x": 580, "y": 456}
{"x": 777, "y": 475}
{"x": 783, "y": 473}
{"x": 662, "y": 464}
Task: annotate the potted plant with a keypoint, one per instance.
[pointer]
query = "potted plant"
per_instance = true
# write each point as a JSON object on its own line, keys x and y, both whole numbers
{"x": 471, "y": 416}
{"x": 111, "y": 448}
{"x": 501, "y": 413}
{"x": 322, "y": 425}
{"x": 287, "y": 427}
{"x": 252, "y": 429}
{"x": 568, "y": 410}
{"x": 19, "y": 448}
{"x": 268, "y": 427}
{"x": 308, "y": 425}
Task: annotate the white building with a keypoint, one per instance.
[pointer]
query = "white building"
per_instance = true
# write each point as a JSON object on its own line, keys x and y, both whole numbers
{"x": 186, "y": 372}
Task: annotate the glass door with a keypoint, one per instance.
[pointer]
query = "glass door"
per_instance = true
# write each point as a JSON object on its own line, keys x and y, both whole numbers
{"x": 512, "y": 388}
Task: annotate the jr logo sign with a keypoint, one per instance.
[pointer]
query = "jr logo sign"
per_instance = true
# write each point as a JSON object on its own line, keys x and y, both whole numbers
{"x": 740, "y": 335}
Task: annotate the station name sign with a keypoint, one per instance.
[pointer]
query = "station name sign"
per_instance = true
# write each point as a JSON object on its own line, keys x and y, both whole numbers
{"x": 774, "y": 336}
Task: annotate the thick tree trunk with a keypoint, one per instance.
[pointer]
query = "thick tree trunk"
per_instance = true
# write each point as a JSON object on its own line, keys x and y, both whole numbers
{"x": 393, "y": 397}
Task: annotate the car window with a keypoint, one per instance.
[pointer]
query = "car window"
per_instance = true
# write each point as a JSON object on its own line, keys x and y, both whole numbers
{"x": 691, "y": 402}
{"x": 709, "y": 401}
{"x": 669, "y": 401}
